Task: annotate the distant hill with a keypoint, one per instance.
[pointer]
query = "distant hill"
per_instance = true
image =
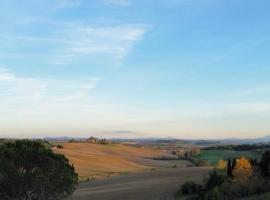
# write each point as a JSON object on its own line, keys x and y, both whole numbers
{"x": 64, "y": 138}
{"x": 232, "y": 141}
{"x": 169, "y": 140}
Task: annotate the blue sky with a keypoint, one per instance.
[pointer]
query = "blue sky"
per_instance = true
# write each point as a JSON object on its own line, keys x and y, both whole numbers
{"x": 132, "y": 68}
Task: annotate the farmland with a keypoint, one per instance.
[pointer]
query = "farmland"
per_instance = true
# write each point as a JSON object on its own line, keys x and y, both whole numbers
{"x": 127, "y": 171}
{"x": 158, "y": 184}
{"x": 99, "y": 161}
{"x": 213, "y": 156}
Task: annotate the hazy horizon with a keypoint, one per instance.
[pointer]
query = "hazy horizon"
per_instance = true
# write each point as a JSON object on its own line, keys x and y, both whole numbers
{"x": 132, "y": 68}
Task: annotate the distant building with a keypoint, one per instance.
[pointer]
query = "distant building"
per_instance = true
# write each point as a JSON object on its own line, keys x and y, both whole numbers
{"x": 105, "y": 141}
{"x": 187, "y": 152}
{"x": 92, "y": 140}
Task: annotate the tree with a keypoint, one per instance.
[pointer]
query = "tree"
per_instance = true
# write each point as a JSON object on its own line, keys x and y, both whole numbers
{"x": 243, "y": 169}
{"x": 221, "y": 164}
{"x": 30, "y": 171}
{"x": 233, "y": 163}
{"x": 229, "y": 168}
{"x": 264, "y": 164}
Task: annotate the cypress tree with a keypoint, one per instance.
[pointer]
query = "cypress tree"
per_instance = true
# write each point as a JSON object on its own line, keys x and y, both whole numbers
{"x": 264, "y": 164}
{"x": 233, "y": 163}
{"x": 229, "y": 168}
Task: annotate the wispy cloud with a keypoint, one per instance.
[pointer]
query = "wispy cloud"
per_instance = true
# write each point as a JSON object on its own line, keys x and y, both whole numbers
{"x": 188, "y": 2}
{"x": 77, "y": 41}
{"x": 118, "y": 2}
{"x": 68, "y": 3}
{"x": 114, "y": 40}
{"x": 25, "y": 91}
{"x": 59, "y": 40}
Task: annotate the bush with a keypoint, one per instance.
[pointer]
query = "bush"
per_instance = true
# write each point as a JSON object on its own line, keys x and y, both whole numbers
{"x": 59, "y": 146}
{"x": 214, "y": 194}
{"x": 30, "y": 171}
{"x": 253, "y": 186}
{"x": 189, "y": 188}
{"x": 216, "y": 178}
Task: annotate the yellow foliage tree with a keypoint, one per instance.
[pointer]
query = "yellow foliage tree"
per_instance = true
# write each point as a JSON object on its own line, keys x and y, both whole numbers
{"x": 243, "y": 169}
{"x": 221, "y": 164}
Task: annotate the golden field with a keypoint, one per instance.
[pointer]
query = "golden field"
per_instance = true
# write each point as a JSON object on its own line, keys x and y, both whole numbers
{"x": 99, "y": 160}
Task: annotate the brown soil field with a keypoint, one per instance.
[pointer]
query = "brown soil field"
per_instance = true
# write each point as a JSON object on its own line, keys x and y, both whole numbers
{"x": 98, "y": 160}
{"x": 161, "y": 184}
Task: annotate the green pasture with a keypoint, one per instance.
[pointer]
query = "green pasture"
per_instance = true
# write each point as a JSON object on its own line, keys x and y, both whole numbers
{"x": 213, "y": 156}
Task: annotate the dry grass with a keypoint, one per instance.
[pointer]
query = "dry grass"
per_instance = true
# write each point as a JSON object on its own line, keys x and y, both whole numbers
{"x": 97, "y": 160}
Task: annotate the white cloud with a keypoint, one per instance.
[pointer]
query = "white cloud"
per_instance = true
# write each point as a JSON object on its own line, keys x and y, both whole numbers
{"x": 116, "y": 41}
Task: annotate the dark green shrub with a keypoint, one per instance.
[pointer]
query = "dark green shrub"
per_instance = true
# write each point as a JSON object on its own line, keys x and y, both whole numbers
{"x": 59, "y": 146}
{"x": 189, "y": 188}
{"x": 216, "y": 178}
{"x": 214, "y": 194}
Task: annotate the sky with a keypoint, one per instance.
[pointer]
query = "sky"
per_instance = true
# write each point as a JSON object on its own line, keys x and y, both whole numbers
{"x": 135, "y": 68}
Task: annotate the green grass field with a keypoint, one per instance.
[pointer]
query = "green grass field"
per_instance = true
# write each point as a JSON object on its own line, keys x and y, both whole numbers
{"x": 213, "y": 156}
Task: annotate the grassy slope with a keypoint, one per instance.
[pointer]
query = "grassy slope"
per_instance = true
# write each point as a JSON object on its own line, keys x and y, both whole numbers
{"x": 214, "y": 155}
{"x": 102, "y": 160}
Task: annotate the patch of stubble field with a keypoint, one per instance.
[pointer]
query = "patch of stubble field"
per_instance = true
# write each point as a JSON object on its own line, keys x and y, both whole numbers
{"x": 160, "y": 184}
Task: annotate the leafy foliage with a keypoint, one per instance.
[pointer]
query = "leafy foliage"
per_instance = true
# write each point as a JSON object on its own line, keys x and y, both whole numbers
{"x": 244, "y": 178}
{"x": 221, "y": 164}
{"x": 243, "y": 169}
{"x": 190, "y": 188}
{"x": 216, "y": 178}
{"x": 30, "y": 171}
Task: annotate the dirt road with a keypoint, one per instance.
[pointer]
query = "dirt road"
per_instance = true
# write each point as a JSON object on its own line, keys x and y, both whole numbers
{"x": 160, "y": 184}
